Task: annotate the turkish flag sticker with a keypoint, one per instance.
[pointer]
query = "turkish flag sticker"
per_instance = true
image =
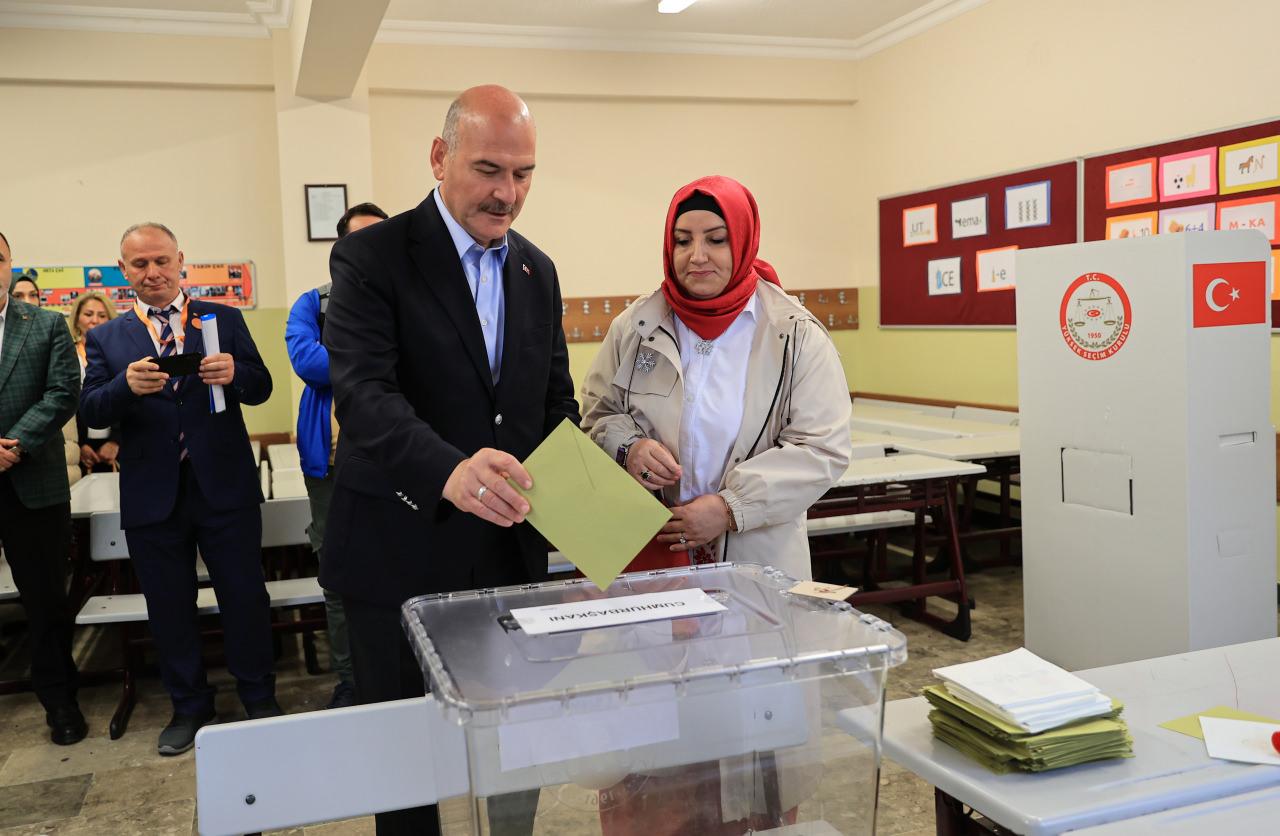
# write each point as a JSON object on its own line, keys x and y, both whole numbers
{"x": 1229, "y": 294}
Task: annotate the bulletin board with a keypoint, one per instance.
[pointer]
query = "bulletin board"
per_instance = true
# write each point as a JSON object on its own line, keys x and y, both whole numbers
{"x": 228, "y": 283}
{"x": 929, "y": 276}
{"x": 1228, "y": 179}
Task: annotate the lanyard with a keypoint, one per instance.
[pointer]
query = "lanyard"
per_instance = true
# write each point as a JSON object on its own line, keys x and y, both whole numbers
{"x": 146, "y": 320}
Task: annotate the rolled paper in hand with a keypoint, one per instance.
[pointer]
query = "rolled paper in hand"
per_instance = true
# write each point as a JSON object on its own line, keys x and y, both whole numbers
{"x": 209, "y": 327}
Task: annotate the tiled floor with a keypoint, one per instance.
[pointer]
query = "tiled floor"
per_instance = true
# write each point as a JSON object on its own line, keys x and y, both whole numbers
{"x": 101, "y": 786}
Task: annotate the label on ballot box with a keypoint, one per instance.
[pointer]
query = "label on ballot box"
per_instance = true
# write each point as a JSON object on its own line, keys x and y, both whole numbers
{"x": 610, "y": 612}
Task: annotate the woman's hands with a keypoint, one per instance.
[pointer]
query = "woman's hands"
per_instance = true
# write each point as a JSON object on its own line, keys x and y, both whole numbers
{"x": 696, "y": 524}
{"x": 652, "y": 465}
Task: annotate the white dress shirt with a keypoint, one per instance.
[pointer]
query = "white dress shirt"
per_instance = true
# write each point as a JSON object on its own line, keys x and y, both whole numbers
{"x": 484, "y": 276}
{"x": 714, "y": 387}
{"x": 175, "y": 321}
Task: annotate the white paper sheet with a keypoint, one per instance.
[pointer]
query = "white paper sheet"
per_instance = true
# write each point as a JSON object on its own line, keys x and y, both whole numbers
{"x": 1239, "y": 740}
{"x": 209, "y": 330}
{"x": 610, "y": 612}
{"x": 1015, "y": 679}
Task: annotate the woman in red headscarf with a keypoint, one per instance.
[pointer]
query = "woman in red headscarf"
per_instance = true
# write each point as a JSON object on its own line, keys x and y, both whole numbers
{"x": 722, "y": 392}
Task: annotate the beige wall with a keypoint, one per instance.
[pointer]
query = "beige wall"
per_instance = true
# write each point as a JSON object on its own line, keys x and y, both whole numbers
{"x": 618, "y": 134}
{"x": 1018, "y": 83}
{"x": 102, "y": 131}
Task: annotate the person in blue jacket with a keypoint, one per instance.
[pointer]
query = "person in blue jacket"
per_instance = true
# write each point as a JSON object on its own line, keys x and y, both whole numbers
{"x": 318, "y": 438}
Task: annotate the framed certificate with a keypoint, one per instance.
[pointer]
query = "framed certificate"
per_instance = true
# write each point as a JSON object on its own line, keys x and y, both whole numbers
{"x": 326, "y": 204}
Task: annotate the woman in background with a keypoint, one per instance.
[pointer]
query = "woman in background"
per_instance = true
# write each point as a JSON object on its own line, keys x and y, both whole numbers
{"x": 99, "y": 448}
{"x": 25, "y": 289}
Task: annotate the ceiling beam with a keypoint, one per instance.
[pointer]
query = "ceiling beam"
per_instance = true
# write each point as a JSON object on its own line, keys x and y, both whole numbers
{"x": 332, "y": 40}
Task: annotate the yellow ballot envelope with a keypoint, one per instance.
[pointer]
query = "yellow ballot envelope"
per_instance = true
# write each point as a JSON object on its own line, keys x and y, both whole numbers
{"x": 590, "y": 509}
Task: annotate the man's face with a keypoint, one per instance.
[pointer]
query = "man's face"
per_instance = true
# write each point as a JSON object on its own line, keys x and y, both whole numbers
{"x": 152, "y": 263}
{"x": 485, "y": 177}
{"x": 6, "y": 273}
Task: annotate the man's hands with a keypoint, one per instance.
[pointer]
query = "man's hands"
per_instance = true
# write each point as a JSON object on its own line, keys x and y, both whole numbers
{"x": 218, "y": 369}
{"x": 698, "y": 523}
{"x": 108, "y": 452}
{"x": 478, "y": 485}
{"x": 144, "y": 377}
{"x": 9, "y": 456}
{"x": 652, "y": 465}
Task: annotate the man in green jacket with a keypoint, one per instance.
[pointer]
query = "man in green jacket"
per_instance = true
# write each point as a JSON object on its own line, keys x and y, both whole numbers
{"x": 39, "y": 390}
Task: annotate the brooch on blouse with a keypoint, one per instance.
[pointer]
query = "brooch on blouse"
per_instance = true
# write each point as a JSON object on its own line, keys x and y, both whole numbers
{"x": 646, "y": 361}
{"x": 704, "y": 347}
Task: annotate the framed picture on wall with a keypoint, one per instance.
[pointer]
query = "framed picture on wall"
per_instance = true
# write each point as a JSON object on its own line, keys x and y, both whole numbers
{"x": 1131, "y": 183}
{"x": 920, "y": 225}
{"x": 326, "y": 204}
{"x": 1026, "y": 205}
{"x": 1198, "y": 218}
{"x": 1189, "y": 174}
{"x": 944, "y": 276}
{"x": 995, "y": 269}
{"x": 1251, "y": 213}
{"x": 1131, "y": 226}
{"x": 1251, "y": 165}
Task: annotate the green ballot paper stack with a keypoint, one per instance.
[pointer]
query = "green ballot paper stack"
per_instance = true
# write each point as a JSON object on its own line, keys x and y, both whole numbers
{"x": 1003, "y": 747}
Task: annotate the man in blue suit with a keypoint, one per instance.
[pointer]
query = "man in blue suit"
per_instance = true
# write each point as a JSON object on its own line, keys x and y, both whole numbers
{"x": 187, "y": 477}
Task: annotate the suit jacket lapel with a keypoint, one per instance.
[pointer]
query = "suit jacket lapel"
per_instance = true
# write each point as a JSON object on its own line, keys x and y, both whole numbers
{"x": 436, "y": 258}
{"x": 192, "y": 335}
{"x": 517, "y": 297}
{"x": 138, "y": 334}
{"x": 17, "y": 323}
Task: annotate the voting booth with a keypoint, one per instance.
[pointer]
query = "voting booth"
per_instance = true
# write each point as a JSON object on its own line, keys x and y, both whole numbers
{"x": 702, "y": 699}
{"x": 1148, "y": 455}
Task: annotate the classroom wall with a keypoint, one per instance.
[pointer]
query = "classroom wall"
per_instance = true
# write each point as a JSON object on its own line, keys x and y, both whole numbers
{"x": 1019, "y": 83}
{"x": 618, "y": 134}
{"x": 84, "y": 159}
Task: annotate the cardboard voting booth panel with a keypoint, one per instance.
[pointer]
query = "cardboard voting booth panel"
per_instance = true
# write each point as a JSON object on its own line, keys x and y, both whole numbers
{"x": 727, "y": 715}
{"x": 1148, "y": 456}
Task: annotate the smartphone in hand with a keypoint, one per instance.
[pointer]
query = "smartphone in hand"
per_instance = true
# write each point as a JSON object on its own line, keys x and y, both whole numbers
{"x": 180, "y": 365}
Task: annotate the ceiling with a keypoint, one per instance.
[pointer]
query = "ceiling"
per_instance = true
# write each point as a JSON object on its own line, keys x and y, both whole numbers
{"x": 830, "y": 28}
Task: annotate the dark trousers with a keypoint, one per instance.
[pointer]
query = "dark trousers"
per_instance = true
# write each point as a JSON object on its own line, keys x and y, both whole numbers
{"x": 386, "y": 669}
{"x": 36, "y": 544}
{"x": 164, "y": 557}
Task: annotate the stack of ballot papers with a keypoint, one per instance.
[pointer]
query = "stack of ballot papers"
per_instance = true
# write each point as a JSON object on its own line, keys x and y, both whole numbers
{"x": 1018, "y": 712}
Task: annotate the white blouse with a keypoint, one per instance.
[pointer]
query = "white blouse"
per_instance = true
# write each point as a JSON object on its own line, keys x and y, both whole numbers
{"x": 715, "y": 385}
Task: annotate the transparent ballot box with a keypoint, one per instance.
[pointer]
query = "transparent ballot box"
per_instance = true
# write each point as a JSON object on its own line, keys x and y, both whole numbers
{"x": 761, "y": 717}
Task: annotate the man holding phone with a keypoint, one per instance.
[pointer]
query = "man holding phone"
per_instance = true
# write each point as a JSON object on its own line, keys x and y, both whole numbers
{"x": 187, "y": 475}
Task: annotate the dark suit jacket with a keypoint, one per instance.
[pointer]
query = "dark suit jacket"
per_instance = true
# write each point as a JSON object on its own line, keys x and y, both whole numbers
{"x": 218, "y": 444}
{"x": 415, "y": 397}
{"x": 39, "y": 384}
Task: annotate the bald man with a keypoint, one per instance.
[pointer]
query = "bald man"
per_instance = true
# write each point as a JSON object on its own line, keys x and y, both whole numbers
{"x": 449, "y": 367}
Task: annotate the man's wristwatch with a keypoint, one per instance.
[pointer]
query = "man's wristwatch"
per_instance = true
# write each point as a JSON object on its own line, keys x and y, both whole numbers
{"x": 623, "y": 450}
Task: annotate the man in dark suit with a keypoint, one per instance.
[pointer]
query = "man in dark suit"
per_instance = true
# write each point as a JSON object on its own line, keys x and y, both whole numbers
{"x": 187, "y": 477}
{"x": 449, "y": 367}
{"x": 39, "y": 384}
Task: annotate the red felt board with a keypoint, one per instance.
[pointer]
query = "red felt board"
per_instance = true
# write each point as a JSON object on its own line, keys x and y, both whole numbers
{"x": 904, "y": 280}
{"x": 1095, "y": 181}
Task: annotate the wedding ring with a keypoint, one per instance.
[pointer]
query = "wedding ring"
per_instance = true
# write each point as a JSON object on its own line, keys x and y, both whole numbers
{"x": 644, "y": 474}
{"x": 480, "y": 493}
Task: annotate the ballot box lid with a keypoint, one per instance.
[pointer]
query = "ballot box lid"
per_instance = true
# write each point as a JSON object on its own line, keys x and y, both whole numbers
{"x": 479, "y": 662}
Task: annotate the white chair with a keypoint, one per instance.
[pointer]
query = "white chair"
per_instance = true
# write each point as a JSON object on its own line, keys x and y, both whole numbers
{"x": 8, "y": 589}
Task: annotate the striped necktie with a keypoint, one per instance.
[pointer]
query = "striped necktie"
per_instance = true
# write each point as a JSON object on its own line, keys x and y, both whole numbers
{"x": 169, "y": 347}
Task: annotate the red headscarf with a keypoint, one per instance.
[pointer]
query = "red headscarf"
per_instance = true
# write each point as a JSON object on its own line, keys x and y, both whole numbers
{"x": 709, "y": 318}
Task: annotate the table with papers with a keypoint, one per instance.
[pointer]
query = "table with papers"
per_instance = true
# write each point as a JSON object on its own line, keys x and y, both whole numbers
{"x": 1168, "y": 770}
{"x": 919, "y": 484}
